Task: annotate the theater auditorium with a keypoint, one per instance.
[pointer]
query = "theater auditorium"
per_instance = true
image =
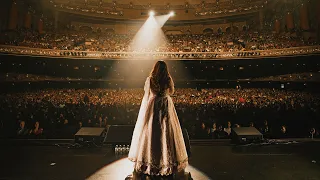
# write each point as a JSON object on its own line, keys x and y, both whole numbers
{"x": 245, "y": 88}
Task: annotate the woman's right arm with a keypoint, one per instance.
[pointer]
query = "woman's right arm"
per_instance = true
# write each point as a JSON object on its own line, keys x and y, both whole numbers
{"x": 147, "y": 84}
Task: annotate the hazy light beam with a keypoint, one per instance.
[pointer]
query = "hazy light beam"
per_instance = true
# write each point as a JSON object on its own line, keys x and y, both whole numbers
{"x": 150, "y": 36}
{"x": 161, "y": 20}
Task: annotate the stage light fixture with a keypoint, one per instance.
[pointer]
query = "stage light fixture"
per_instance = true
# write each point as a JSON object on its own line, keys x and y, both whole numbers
{"x": 151, "y": 13}
{"x": 171, "y": 14}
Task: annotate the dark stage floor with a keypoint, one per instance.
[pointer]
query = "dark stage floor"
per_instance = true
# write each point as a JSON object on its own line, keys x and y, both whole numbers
{"x": 219, "y": 161}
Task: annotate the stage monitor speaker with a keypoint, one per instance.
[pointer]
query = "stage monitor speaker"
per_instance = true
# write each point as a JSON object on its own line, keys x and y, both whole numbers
{"x": 243, "y": 135}
{"x": 90, "y": 135}
{"x": 119, "y": 134}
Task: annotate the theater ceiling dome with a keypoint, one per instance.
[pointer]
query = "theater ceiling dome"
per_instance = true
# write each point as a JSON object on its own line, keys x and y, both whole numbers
{"x": 138, "y": 9}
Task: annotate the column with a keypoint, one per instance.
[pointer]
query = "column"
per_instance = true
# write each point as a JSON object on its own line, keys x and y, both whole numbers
{"x": 277, "y": 25}
{"x": 27, "y": 21}
{"x": 40, "y": 25}
{"x": 231, "y": 27}
{"x": 56, "y": 20}
{"x": 318, "y": 26}
{"x": 13, "y": 19}
{"x": 261, "y": 19}
{"x": 289, "y": 21}
{"x": 318, "y": 12}
{"x": 304, "y": 19}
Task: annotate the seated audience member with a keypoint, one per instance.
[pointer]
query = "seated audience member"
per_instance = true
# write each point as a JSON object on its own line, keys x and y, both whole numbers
{"x": 283, "y": 132}
{"x": 221, "y": 134}
{"x": 100, "y": 122}
{"x": 213, "y": 131}
{"x": 265, "y": 129}
{"x": 36, "y": 131}
{"x": 89, "y": 124}
{"x": 22, "y": 130}
{"x": 67, "y": 130}
{"x": 105, "y": 121}
{"x": 314, "y": 133}
{"x": 228, "y": 128}
{"x": 203, "y": 132}
{"x": 79, "y": 125}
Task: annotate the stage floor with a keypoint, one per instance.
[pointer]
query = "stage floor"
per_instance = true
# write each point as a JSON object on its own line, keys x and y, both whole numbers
{"x": 48, "y": 161}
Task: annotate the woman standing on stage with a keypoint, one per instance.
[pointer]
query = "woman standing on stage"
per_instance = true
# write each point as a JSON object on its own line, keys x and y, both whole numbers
{"x": 157, "y": 146}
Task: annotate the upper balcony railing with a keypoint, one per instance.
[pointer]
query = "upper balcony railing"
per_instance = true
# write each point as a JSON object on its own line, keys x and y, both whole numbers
{"x": 296, "y": 51}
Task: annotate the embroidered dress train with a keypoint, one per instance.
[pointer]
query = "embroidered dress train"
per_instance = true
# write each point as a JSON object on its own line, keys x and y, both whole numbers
{"x": 157, "y": 146}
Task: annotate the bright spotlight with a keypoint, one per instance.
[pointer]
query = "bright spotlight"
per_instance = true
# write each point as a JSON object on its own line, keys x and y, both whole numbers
{"x": 151, "y": 13}
{"x": 171, "y": 13}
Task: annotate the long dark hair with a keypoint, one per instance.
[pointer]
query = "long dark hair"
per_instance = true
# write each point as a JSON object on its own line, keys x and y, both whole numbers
{"x": 160, "y": 79}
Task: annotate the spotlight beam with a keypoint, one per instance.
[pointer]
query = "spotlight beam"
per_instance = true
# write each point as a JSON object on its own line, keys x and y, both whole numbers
{"x": 161, "y": 20}
{"x": 151, "y": 13}
{"x": 150, "y": 36}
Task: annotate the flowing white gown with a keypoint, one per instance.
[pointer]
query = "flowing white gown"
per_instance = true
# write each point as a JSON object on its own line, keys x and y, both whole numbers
{"x": 157, "y": 145}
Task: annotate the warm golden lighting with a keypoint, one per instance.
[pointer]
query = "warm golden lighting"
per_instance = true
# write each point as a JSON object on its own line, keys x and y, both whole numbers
{"x": 151, "y": 13}
{"x": 120, "y": 169}
{"x": 150, "y": 36}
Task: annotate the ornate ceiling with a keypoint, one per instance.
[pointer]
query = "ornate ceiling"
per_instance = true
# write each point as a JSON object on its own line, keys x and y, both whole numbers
{"x": 160, "y": 4}
{"x": 135, "y": 9}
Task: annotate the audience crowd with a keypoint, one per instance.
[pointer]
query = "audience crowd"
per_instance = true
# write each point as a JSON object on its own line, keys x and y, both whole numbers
{"x": 206, "y": 113}
{"x": 292, "y": 77}
{"x": 16, "y": 77}
{"x": 108, "y": 42}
